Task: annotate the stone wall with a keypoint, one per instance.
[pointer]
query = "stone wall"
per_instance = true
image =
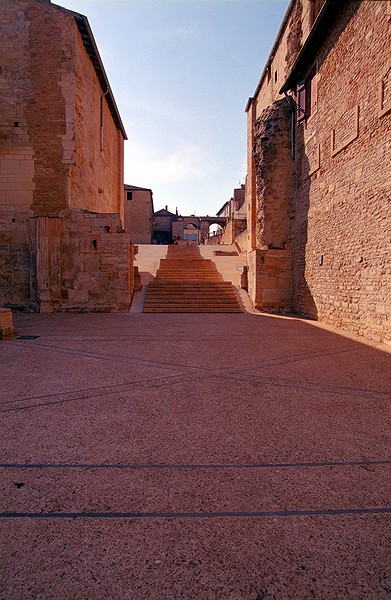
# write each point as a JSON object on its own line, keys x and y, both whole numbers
{"x": 16, "y": 266}
{"x": 139, "y": 215}
{"x": 233, "y": 228}
{"x": 61, "y": 149}
{"x": 270, "y": 266}
{"x": 338, "y": 219}
{"x": 342, "y": 223}
{"x": 96, "y": 163}
{"x": 96, "y": 263}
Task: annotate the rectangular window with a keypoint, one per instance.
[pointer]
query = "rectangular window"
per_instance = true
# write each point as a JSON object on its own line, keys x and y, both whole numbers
{"x": 129, "y": 195}
{"x": 301, "y": 101}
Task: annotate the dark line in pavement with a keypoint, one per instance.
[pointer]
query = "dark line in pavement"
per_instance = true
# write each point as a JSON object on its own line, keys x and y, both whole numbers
{"x": 106, "y": 389}
{"x": 310, "y": 387}
{"x": 195, "y": 515}
{"x": 117, "y": 358}
{"x": 146, "y": 384}
{"x": 297, "y": 465}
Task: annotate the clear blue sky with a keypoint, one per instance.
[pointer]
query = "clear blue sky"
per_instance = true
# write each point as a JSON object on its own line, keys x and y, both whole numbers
{"x": 182, "y": 72}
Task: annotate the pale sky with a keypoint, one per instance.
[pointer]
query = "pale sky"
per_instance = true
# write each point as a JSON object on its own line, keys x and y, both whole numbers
{"x": 182, "y": 72}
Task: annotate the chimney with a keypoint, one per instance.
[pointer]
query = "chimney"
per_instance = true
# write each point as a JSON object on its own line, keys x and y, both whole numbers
{"x": 176, "y": 211}
{"x": 166, "y": 207}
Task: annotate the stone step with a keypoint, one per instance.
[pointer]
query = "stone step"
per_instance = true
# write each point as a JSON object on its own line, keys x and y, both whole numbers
{"x": 170, "y": 309}
{"x": 186, "y": 282}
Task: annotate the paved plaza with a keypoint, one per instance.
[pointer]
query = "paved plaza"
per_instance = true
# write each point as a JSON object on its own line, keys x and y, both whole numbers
{"x": 167, "y": 456}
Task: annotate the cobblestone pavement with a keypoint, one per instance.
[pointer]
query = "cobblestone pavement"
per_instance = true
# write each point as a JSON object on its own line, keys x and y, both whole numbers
{"x": 193, "y": 456}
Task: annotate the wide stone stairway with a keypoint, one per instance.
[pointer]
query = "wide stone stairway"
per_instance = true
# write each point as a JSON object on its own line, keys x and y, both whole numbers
{"x": 188, "y": 283}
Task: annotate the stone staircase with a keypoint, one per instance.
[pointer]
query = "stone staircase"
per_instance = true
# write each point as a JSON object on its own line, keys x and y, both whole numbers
{"x": 188, "y": 283}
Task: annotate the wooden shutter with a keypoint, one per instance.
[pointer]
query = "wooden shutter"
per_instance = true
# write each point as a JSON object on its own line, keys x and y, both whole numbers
{"x": 301, "y": 101}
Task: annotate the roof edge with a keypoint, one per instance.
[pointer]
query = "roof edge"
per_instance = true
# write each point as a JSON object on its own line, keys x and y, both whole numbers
{"x": 272, "y": 51}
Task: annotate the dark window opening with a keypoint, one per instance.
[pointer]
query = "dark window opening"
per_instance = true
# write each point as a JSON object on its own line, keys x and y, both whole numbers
{"x": 16, "y": 123}
{"x": 129, "y": 195}
{"x": 95, "y": 244}
{"x": 307, "y": 96}
{"x": 275, "y": 77}
{"x": 301, "y": 101}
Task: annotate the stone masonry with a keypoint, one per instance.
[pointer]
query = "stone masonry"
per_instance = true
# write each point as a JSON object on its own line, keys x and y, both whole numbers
{"x": 61, "y": 166}
{"x": 327, "y": 208}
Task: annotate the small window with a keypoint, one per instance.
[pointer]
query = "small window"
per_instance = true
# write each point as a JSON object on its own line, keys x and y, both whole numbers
{"x": 301, "y": 101}
{"x": 275, "y": 76}
{"x": 129, "y": 195}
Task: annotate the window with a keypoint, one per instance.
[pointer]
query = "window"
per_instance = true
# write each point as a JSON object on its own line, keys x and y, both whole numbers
{"x": 307, "y": 96}
{"x": 129, "y": 195}
{"x": 301, "y": 101}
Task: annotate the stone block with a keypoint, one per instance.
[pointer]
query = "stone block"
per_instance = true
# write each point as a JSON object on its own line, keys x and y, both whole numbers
{"x": 7, "y": 329}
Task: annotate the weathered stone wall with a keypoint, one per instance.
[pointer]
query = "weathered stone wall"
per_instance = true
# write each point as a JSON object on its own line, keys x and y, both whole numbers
{"x": 53, "y": 155}
{"x": 273, "y": 168}
{"x": 16, "y": 266}
{"x": 270, "y": 267}
{"x": 96, "y": 263}
{"x": 233, "y": 228}
{"x": 96, "y": 163}
{"x": 342, "y": 223}
{"x": 139, "y": 216}
{"x": 341, "y": 183}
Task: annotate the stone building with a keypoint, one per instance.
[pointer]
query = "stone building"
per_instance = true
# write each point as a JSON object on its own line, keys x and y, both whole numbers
{"x": 236, "y": 214}
{"x": 62, "y": 243}
{"x": 139, "y": 214}
{"x": 162, "y": 226}
{"x": 318, "y": 178}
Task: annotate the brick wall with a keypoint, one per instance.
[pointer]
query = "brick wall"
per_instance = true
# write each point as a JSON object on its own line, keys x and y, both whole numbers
{"x": 342, "y": 224}
{"x": 340, "y": 183}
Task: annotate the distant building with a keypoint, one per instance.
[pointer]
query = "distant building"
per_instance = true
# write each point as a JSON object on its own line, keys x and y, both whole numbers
{"x": 138, "y": 212}
{"x": 162, "y": 226}
{"x": 62, "y": 243}
{"x": 318, "y": 178}
{"x": 169, "y": 227}
{"x": 236, "y": 214}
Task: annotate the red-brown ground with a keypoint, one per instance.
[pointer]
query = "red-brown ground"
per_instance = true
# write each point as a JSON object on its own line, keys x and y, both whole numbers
{"x": 193, "y": 456}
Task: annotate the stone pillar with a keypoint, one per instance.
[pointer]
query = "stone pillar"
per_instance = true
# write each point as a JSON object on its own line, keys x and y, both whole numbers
{"x": 270, "y": 262}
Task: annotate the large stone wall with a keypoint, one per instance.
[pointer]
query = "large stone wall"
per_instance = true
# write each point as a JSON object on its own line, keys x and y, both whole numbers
{"x": 342, "y": 223}
{"x": 340, "y": 184}
{"x": 61, "y": 155}
{"x": 96, "y": 163}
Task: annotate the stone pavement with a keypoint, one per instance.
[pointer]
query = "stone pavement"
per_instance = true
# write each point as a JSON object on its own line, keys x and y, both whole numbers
{"x": 193, "y": 456}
